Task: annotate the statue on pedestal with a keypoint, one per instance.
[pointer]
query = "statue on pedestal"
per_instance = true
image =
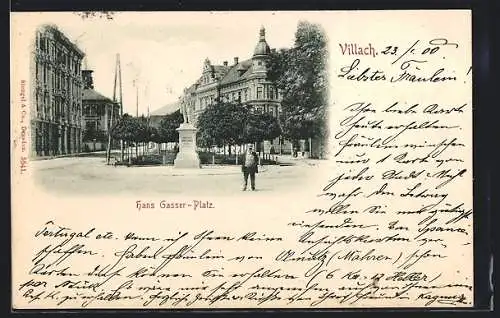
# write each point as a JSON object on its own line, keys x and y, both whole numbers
{"x": 184, "y": 111}
{"x": 187, "y": 157}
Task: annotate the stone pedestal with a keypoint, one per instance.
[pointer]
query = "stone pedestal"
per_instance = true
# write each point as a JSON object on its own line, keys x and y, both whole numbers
{"x": 187, "y": 157}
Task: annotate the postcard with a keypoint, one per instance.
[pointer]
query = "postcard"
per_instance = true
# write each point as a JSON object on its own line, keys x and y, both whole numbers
{"x": 286, "y": 159}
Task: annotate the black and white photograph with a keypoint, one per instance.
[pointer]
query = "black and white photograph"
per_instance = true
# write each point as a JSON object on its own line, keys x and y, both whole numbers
{"x": 168, "y": 107}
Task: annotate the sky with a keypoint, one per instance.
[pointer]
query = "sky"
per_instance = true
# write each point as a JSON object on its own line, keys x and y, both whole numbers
{"x": 164, "y": 51}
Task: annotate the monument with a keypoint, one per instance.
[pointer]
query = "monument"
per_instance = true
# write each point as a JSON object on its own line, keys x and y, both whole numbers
{"x": 187, "y": 157}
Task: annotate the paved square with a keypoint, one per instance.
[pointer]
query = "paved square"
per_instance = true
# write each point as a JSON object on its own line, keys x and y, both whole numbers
{"x": 91, "y": 176}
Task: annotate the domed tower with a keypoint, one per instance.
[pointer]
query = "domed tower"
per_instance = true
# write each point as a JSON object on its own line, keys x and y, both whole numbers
{"x": 261, "y": 53}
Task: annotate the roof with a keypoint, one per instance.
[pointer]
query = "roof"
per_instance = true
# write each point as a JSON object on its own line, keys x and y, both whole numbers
{"x": 234, "y": 74}
{"x": 190, "y": 89}
{"x": 225, "y": 74}
{"x": 165, "y": 110}
{"x": 52, "y": 28}
{"x": 220, "y": 70}
{"x": 262, "y": 47}
{"x": 91, "y": 94}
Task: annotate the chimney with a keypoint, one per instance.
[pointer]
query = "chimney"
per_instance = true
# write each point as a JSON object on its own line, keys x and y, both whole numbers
{"x": 236, "y": 60}
{"x": 225, "y": 63}
{"x": 88, "y": 81}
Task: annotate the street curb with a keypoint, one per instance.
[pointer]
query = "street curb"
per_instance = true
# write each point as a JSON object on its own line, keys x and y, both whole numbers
{"x": 73, "y": 155}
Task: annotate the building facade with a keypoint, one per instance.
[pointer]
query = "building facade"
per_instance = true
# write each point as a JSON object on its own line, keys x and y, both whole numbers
{"x": 99, "y": 114}
{"x": 56, "y": 112}
{"x": 244, "y": 81}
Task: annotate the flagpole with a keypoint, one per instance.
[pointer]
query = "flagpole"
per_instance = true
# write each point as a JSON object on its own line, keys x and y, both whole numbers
{"x": 110, "y": 124}
{"x": 121, "y": 101}
{"x": 146, "y": 95}
{"x": 136, "y": 100}
{"x": 136, "y": 114}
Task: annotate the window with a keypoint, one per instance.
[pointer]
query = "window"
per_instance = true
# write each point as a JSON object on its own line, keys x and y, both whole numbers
{"x": 239, "y": 96}
{"x": 91, "y": 125}
{"x": 52, "y": 108}
{"x": 271, "y": 93}
{"x": 88, "y": 110}
{"x": 259, "y": 92}
{"x": 42, "y": 44}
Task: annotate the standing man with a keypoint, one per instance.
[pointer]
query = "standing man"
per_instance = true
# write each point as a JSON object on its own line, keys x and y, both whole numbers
{"x": 249, "y": 166}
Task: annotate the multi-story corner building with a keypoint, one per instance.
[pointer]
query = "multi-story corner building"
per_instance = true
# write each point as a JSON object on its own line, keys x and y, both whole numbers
{"x": 99, "y": 114}
{"x": 56, "y": 113}
{"x": 244, "y": 81}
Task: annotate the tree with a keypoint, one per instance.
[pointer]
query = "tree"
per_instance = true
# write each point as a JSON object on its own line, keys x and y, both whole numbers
{"x": 131, "y": 129}
{"x": 260, "y": 127}
{"x": 141, "y": 132}
{"x": 124, "y": 128}
{"x": 300, "y": 75}
{"x": 222, "y": 124}
{"x": 154, "y": 135}
{"x": 91, "y": 133}
{"x": 167, "y": 129}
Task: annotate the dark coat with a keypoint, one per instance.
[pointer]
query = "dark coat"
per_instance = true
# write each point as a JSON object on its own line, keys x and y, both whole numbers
{"x": 253, "y": 168}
